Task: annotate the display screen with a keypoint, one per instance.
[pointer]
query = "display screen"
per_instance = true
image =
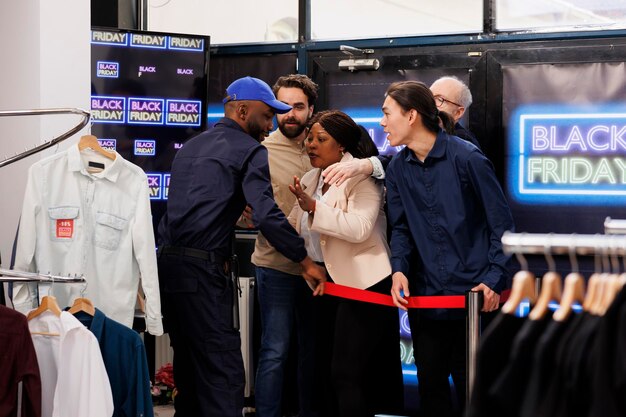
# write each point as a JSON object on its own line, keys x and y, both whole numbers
{"x": 149, "y": 96}
{"x": 566, "y": 145}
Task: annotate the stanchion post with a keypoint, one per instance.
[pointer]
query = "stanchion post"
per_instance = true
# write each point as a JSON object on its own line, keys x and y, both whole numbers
{"x": 473, "y": 304}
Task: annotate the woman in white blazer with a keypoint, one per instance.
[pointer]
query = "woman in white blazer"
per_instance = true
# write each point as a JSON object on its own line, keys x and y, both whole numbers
{"x": 344, "y": 228}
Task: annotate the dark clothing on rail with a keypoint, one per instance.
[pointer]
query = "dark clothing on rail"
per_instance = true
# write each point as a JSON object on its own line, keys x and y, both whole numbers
{"x": 493, "y": 356}
{"x": 507, "y": 391}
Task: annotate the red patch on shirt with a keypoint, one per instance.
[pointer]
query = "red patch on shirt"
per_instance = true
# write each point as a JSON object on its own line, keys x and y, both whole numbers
{"x": 65, "y": 228}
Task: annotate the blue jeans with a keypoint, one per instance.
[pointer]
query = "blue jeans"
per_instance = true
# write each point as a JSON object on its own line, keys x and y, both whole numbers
{"x": 285, "y": 300}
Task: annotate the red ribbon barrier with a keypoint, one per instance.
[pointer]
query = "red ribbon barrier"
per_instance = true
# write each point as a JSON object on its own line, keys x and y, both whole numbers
{"x": 427, "y": 301}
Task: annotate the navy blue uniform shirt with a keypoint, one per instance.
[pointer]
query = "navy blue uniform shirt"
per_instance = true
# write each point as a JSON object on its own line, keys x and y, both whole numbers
{"x": 448, "y": 215}
{"x": 213, "y": 176}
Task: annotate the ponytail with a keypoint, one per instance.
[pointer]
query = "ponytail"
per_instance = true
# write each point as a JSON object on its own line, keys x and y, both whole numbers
{"x": 447, "y": 122}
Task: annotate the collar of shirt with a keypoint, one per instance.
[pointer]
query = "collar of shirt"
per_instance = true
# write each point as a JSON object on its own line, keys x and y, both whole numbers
{"x": 75, "y": 163}
{"x": 48, "y": 322}
{"x": 437, "y": 152}
{"x": 278, "y": 137}
{"x": 228, "y": 122}
{"x": 97, "y": 324}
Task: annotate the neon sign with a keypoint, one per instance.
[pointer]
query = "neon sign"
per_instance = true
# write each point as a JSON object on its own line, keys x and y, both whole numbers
{"x": 148, "y": 41}
{"x": 155, "y": 182}
{"x": 183, "y": 112}
{"x": 185, "y": 44}
{"x": 145, "y": 111}
{"x": 102, "y": 37}
{"x": 106, "y": 69}
{"x": 108, "y": 144}
{"x": 108, "y": 109}
{"x": 166, "y": 185}
{"x": 577, "y": 154}
{"x": 145, "y": 147}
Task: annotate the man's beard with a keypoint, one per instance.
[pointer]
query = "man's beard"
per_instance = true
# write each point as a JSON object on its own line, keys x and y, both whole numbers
{"x": 255, "y": 130}
{"x": 291, "y": 132}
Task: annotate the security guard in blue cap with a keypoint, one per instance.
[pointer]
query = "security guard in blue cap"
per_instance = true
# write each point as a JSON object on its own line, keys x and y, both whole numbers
{"x": 213, "y": 177}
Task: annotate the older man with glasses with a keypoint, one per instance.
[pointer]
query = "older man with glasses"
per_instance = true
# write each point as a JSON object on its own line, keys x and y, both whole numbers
{"x": 454, "y": 97}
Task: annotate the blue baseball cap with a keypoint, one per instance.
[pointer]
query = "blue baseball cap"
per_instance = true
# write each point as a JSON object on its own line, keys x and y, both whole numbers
{"x": 250, "y": 88}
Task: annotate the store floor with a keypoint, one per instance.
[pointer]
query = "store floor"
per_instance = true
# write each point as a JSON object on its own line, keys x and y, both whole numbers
{"x": 164, "y": 410}
{"x": 168, "y": 411}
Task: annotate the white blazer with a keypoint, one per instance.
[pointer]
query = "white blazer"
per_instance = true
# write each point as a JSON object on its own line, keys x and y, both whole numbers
{"x": 352, "y": 227}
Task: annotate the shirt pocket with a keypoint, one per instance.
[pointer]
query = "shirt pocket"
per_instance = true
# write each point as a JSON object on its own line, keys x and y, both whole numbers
{"x": 63, "y": 223}
{"x": 109, "y": 230}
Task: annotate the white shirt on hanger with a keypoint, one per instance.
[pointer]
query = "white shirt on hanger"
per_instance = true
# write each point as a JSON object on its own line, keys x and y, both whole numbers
{"x": 74, "y": 381}
{"x": 97, "y": 224}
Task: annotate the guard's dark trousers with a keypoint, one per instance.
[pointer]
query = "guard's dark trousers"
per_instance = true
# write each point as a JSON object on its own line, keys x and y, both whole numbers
{"x": 196, "y": 298}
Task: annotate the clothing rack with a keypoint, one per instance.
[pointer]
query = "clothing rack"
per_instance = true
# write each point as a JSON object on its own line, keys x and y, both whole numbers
{"x": 85, "y": 119}
{"x": 12, "y": 275}
{"x": 563, "y": 244}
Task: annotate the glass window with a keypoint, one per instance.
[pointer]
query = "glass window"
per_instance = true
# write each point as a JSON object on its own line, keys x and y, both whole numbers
{"x": 353, "y": 19}
{"x": 227, "y": 22}
{"x": 560, "y": 15}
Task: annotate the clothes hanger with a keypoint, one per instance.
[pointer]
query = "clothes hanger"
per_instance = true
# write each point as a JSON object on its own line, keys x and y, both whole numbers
{"x": 83, "y": 304}
{"x": 523, "y": 286}
{"x": 573, "y": 290}
{"x": 595, "y": 286}
{"x": 612, "y": 286}
{"x": 550, "y": 289}
{"x": 91, "y": 142}
{"x": 48, "y": 303}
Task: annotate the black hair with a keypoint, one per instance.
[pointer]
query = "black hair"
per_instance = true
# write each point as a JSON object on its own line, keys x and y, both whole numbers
{"x": 366, "y": 143}
{"x": 417, "y": 96}
{"x": 342, "y": 128}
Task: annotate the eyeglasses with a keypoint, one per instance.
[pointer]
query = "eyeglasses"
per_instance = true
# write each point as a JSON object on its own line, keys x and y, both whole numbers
{"x": 439, "y": 100}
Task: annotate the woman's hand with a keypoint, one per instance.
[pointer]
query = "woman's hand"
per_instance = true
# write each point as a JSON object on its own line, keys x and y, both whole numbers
{"x": 305, "y": 201}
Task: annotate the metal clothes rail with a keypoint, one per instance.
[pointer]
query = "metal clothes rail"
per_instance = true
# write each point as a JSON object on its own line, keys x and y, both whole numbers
{"x": 614, "y": 226}
{"x": 12, "y": 275}
{"x": 85, "y": 119}
{"x": 578, "y": 244}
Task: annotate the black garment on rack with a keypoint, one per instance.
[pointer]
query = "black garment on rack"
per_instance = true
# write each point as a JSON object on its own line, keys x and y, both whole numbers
{"x": 492, "y": 356}
{"x": 509, "y": 388}
{"x": 556, "y": 384}
{"x": 575, "y": 387}
{"x": 543, "y": 366}
{"x": 608, "y": 397}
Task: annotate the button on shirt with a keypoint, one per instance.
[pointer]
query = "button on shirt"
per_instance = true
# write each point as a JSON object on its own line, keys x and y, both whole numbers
{"x": 95, "y": 224}
{"x": 213, "y": 176}
{"x": 448, "y": 215}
